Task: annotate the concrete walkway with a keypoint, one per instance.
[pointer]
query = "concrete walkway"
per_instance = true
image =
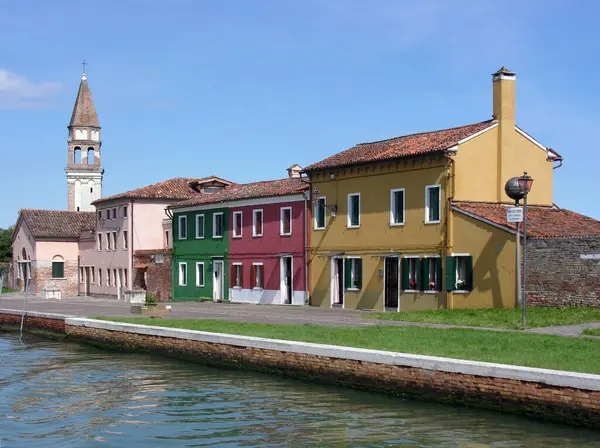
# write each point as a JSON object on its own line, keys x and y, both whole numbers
{"x": 267, "y": 314}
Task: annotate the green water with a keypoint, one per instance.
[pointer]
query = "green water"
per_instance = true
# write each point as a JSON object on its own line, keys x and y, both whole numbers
{"x": 57, "y": 394}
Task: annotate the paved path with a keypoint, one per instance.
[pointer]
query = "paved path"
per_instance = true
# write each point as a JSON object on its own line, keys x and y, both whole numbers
{"x": 273, "y": 314}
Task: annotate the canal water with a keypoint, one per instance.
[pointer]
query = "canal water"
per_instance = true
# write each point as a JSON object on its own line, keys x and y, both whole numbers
{"x": 59, "y": 394}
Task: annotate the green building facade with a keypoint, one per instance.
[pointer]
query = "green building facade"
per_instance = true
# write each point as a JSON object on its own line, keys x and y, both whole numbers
{"x": 200, "y": 251}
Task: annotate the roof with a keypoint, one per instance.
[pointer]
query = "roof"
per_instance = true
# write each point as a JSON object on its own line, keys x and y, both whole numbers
{"x": 84, "y": 111}
{"x": 399, "y": 147}
{"x": 178, "y": 188}
{"x": 542, "y": 222}
{"x": 268, "y": 188}
{"x": 57, "y": 223}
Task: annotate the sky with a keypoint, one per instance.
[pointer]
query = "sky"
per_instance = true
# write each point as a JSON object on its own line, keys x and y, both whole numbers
{"x": 244, "y": 89}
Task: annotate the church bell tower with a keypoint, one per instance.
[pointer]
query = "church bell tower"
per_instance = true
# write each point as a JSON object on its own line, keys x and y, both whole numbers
{"x": 84, "y": 173}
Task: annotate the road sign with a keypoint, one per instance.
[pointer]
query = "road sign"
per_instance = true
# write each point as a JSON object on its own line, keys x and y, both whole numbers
{"x": 514, "y": 214}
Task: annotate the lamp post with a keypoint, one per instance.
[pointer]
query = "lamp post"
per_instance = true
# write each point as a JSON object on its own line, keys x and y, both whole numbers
{"x": 525, "y": 183}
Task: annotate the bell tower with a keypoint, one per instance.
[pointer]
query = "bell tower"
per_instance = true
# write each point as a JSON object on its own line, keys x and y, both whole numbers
{"x": 84, "y": 173}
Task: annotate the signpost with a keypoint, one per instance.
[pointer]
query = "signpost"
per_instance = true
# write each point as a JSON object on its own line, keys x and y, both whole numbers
{"x": 514, "y": 214}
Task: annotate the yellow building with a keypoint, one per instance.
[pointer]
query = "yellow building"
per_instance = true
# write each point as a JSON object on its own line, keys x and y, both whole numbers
{"x": 396, "y": 223}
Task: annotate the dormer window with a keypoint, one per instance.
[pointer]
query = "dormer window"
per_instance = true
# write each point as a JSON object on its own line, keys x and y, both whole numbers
{"x": 211, "y": 189}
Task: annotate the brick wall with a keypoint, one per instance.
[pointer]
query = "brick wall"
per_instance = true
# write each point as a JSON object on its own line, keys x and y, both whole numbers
{"x": 12, "y": 321}
{"x": 158, "y": 276}
{"x": 567, "y": 405}
{"x": 558, "y": 276}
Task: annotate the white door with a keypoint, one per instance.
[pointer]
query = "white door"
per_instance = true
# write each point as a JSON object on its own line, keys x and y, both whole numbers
{"x": 218, "y": 280}
{"x": 285, "y": 280}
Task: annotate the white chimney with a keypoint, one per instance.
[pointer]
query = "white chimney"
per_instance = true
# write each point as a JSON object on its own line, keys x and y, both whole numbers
{"x": 294, "y": 171}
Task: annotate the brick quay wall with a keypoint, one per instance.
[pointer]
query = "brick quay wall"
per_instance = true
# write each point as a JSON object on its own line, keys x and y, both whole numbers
{"x": 566, "y": 397}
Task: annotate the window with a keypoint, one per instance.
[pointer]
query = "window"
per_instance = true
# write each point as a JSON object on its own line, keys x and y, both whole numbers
{"x": 410, "y": 274}
{"x": 159, "y": 259}
{"x": 432, "y": 271}
{"x": 99, "y": 215}
{"x": 108, "y": 241}
{"x": 114, "y": 213}
{"x": 218, "y": 225}
{"x": 108, "y": 277}
{"x": 257, "y": 275}
{"x": 125, "y": 243}
{"x": 58, "y": 267}
{"x": 182, "y": 274}
{"x": 354, "y": 210}
{"x": 236, "y": 275}
{"x": 116, "y": 280}
{"x": 80, "y": 274}
{"x": 237, "y": 224}
{"x": 459, "y": 272}
{"x": 397, "y": 207}
{"x": 125, "y": 277}
{"x": 199, "y": 227}
{"x": 320, "y": 213}
{"x": 285, "y": 226}
{"x": 166, "y": 238}
{"x": 93, "y": 274}
{"x": 353, "y": 273}
{"x": 257, "y": 222}
{"x": 200, "y": 274}
{"x": 99, "y": 241}
{"x": 100, "y": 276}
{"x": 182, "y": 227}
{"x": 125, "y": 211}
{"x": 114, "y": 240}
{"x": 432, "y": 203}
{"x": 211, "y": 189}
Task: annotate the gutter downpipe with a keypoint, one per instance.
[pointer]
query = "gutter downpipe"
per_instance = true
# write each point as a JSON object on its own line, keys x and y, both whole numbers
{"x": 449, "y": 223}
{"x": 130, "y": 236}
{"x": 306, "y": 227}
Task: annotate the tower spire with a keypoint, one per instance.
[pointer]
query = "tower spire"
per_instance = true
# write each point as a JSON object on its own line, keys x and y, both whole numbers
{"x": 84, "y": 63}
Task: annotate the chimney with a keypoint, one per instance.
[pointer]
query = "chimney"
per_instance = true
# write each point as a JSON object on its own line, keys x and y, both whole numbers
{"x": 504, "y": 112}
{"x": 294, "y": 171}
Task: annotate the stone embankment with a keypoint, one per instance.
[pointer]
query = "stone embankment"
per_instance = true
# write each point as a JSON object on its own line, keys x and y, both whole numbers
{"x": 567, "y": 397}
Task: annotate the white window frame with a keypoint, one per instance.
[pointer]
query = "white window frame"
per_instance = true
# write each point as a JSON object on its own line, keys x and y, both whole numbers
{"x": 182, "y": 264}
{"x": 262, "y": 222}
{"x": 260, "y": 288}
{"x": 199, "y": 217}
{"x": 108, "y": 240}
{"x": 240, "y": 267}
{"x": 241, "y": 215}
{"x": 439, "y": 280}
{"x": 457, "y": 256}
{"x": 125, "y": 242}
{"x": 392, "y": 207}
{"x": 417, "y": 273}
{"x": 181, "y": 219}
{"x": 352, "y": 257}
{"x": 214, "y": 217}
{"x": 349, "y": 222}
{"x": 114, "y": 238}
{"x": 198, "y": 284}
{"x": 99, "y": 241}
{"x": 124, "y": 212}
{"x": 427, "y": 205}
{"x": 281, "y": 221}
{"x": 316, "y": 222}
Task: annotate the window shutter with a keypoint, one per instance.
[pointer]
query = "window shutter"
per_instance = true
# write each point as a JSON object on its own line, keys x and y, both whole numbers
{"x": 450, "y": 273}
{"x": 423, "y": 280}
{"x": 347, "y": 273}
{"x": 253, "y": 276}
{"x": 438, "y": 285}
{"x": 359, "y": 272}
{"x": 404, "y": 274}
{"x": 469, "y": 261}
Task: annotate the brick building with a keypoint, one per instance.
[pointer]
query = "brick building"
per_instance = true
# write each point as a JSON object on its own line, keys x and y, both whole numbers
{"x": 153, "y": 272}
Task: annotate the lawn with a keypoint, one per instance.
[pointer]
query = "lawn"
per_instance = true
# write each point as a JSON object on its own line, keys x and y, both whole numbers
{"x": 552, "y": 352}
{"x": 497, "y": 318}
{"x": 592, "y": 332}
{"x": 5, "y": 290}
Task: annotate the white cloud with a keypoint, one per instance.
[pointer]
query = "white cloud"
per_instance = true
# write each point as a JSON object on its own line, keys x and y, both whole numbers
{"x": 17, "y": 92}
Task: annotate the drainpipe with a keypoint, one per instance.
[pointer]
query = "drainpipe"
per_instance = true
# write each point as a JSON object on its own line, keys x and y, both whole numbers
{"x": 449, "y": 240}
{"x": 306, "y": 279}
{"x": 130, "y": 237}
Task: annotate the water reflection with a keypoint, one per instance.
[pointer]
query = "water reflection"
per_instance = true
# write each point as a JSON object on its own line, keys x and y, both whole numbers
{"x": 59, "y": 394}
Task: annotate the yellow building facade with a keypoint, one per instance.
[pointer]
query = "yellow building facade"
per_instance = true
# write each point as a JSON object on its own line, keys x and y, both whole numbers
{"x": 386, "y": 234}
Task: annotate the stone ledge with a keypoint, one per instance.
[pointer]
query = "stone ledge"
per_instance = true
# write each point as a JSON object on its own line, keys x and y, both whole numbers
{"x": 53, "y": 316}
{"x": 477, "y": 368}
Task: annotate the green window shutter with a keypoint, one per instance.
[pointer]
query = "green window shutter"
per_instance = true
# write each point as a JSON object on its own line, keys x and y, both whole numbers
{"x": 450, "y": 273}
{"x": 438, "y": 285}
{"x": 54, "y": 264}
{"x": 359, "y": 271}
{"x": 347, "y": 273}
{"x": 423, "y": 280}
{"x": 58, "y": 269}
{"x": 469, "y": 262}
{"x": 404, "y": 274}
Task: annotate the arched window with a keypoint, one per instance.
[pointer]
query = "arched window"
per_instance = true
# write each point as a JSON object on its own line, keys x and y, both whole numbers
{"x": 24, "y": 252}
{"x": 77, "y": 155}
{"x": 90, "y": 156}
{"x": 58, "y": 267}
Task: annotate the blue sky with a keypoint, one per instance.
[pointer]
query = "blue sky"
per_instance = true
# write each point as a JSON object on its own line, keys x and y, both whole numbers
{"x": 244, "y": 89}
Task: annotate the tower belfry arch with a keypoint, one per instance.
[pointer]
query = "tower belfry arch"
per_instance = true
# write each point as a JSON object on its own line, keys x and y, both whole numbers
{"x": 84, "y": 170}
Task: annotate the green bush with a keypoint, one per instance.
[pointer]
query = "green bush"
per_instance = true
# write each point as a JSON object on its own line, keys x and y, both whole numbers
{"x": 205, "y": 299}
{"x": 151, "y": 298}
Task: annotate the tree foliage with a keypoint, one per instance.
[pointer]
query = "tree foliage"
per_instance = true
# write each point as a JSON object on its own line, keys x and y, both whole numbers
{"x": 5, "y": 244}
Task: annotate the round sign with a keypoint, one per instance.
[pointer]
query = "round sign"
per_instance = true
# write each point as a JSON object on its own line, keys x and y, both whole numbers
{"x": 513, "y": 190}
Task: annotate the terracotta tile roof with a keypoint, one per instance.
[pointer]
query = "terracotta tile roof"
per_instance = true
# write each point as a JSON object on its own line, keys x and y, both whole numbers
{"x": 269, "y": 188}
{"x": 542, "y": 222}
{"x": 398, "y": 147}
{"x": 57, "y": 223}
{"x": 84, "y": 111}
{"x": 178, "y": 188}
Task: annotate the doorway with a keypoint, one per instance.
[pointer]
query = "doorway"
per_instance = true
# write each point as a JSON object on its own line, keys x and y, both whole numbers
{"x": 217, "y": 280}
{"x": 337, "y": 282}
{"x": 391, "y": 284}
{"x": 86, "y": 291}
{"x": 285, "y": 275}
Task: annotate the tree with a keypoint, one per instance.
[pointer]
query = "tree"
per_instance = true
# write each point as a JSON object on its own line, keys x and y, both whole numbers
{"x": 6, "y": 244}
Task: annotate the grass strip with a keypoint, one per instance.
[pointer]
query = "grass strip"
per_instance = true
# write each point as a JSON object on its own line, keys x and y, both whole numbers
{"x": 496, "y": 318}
{"x": 533, "y": 350}
{"x": 592, "y": 332}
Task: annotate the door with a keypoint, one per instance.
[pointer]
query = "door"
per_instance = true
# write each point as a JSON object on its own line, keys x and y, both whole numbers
{"x": 391, "y": 283}
{"x": 218, "y": 280}
{"x": 337, "y": 281}
{"x": 285, "y": 275}
{"x": 119, "y": 284}
{"x": 87, "y": 281}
